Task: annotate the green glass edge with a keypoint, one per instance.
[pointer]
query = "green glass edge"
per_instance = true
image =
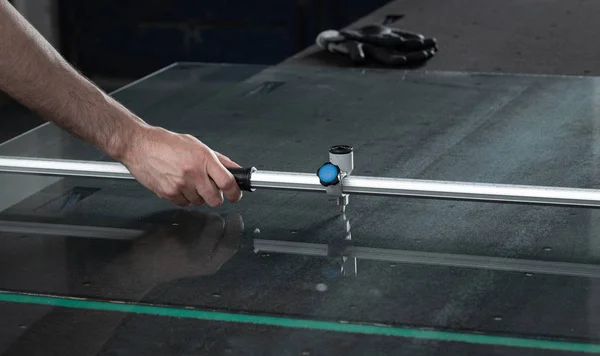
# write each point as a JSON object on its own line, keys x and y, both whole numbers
{"x": 286, "y": 322}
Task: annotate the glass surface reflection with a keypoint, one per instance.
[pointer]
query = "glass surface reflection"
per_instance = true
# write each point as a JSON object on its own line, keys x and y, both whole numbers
{"x": 474, "y": 268}
{"x": 183, "y": 244}
{"x": 169, "y": 245}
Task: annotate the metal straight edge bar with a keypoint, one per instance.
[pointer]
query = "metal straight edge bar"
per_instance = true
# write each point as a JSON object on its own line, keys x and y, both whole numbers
{"x": 350, "y": 185}
{"x": 433, "y": 258}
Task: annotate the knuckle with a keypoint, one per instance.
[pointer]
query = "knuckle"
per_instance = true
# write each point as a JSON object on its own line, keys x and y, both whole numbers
{"x": 188, "y": 169}
{"x": 171, "y": 192}
{"x": 179, "y": 184}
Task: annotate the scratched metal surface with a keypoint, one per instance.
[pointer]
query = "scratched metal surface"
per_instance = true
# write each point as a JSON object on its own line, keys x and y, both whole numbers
{"x": 451, "y": 126}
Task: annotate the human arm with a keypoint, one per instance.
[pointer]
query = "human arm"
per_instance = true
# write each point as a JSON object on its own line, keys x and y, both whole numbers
{"x": 174, "y": 166}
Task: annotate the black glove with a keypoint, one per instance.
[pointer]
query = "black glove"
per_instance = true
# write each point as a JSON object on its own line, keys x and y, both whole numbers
{"x": 383, "y": 44}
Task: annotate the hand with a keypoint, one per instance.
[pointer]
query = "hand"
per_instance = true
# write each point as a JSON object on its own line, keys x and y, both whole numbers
{"x": 180, "y": 168}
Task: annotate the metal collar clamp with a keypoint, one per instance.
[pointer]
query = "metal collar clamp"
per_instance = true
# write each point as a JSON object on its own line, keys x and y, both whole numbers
{"x": 331, "y": 174}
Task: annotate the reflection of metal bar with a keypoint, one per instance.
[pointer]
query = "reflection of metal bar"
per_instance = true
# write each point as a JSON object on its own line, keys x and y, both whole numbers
{"x": 96, "y": 232}
{"x": 351, "y": 184}
{"x": 437, "y": 259}
{"x": 350, "y": 266}
{"x": 298, "y": 248}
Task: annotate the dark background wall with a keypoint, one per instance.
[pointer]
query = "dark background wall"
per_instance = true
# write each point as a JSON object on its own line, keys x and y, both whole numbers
{"x": 132, "y": 38}
{"x": 114, "y": 42}
{"x": 124, "y": 40}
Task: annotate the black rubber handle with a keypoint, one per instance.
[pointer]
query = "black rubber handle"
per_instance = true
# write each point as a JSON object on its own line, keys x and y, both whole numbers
{"x": 243, "y": 177}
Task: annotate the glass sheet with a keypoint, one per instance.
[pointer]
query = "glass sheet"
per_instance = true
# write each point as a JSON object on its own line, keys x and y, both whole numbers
{"x": 287, "y": 255}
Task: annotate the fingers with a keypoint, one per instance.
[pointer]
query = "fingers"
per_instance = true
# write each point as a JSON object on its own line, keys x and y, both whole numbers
{"x": 191, "y": 194}
{"x": 209, "y": 182}
{"x": 182, "y": 169}
{"x": 207, "y": 187}
{"x": 210, "y": 192}
{"x": 179, "y": 199}
{"x": 226, "y": 161}
{"x": 225, "y": 181}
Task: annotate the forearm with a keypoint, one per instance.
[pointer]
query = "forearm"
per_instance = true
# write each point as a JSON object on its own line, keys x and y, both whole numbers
{"x": 36, "y": 75}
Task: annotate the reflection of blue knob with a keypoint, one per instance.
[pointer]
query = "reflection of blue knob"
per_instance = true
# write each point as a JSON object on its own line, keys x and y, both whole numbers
{"x": 329, "y": 174}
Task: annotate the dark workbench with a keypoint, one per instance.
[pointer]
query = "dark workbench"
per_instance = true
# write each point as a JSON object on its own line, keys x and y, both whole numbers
{"x": 116, "y": 271}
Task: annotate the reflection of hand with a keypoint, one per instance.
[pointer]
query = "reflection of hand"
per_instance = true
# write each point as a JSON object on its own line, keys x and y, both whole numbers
{"x": 198, "y": 244}
{"x": 194, "y": 244}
